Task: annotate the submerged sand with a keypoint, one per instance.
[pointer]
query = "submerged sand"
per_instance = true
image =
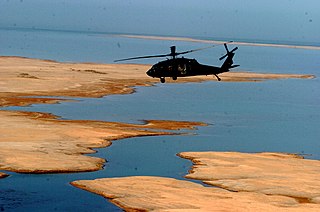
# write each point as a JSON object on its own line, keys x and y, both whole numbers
{"x": 243, "y": 182}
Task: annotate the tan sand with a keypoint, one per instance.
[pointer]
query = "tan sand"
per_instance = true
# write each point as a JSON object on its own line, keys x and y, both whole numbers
{"x": 220, "y": 42}
{"x": 39, "y": 143}
{"x": 146, "y": 193}
{"x": 258, "y": 77}
{"x": 245, "y": 182}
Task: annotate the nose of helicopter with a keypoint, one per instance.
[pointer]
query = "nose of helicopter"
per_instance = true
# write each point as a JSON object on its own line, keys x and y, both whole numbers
{"x": 150, "y": 72}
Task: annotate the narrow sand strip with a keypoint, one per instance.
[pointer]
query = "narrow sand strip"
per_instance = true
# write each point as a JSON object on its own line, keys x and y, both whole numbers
{"x": 221, "y": 42}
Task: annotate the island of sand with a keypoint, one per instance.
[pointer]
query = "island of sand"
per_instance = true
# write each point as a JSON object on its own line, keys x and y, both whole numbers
{"x": 41, "y": 143}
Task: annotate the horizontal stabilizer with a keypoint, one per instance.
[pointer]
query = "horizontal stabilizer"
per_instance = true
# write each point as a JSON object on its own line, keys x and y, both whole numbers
{"x": 234, "y": 66}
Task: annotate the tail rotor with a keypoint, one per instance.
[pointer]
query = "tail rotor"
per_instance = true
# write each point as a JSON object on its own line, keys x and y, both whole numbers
{"x": 228, "y": 63}
{"x": 228, "y": 52}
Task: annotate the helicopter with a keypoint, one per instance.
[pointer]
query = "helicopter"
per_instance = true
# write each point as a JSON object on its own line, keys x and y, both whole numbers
{"x": 184, "y": 67}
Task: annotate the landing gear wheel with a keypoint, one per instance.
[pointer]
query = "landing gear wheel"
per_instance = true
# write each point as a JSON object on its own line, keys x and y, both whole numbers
{"x": 174, "y": 78}
{"x": 162, "y": 80}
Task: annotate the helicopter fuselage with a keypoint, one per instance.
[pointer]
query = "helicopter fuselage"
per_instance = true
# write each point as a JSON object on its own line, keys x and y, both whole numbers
{"x": 182, "y": 67}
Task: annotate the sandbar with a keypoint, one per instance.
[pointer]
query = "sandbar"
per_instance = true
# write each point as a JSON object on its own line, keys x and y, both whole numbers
{"x": 186, "y": 39}
{"x": 243, "y": 182}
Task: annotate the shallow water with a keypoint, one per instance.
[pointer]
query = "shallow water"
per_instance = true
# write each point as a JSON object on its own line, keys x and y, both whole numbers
{"x": 276, "y": 115}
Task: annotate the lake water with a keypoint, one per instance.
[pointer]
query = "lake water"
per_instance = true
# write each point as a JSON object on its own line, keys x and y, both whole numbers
{"x": 276, "y": 115}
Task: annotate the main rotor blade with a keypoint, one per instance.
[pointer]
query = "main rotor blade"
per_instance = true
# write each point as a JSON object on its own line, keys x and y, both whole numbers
{"x": 194, "y": 50}
{"x": 142, "y": 57}
{"x": 172, "y": 54}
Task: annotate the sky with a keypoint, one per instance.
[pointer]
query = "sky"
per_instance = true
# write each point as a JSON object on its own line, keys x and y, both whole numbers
{"x": 284, "y": 20}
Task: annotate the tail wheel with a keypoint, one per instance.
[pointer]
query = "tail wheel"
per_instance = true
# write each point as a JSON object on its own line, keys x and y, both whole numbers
{"x": 218, "y": 78}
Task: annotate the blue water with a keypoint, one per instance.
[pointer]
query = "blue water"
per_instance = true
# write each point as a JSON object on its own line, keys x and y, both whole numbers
{"x": 276, "y": 115}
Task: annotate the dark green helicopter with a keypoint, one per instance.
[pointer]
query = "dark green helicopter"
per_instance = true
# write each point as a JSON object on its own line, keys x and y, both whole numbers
{"x": 185, "y": 67}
